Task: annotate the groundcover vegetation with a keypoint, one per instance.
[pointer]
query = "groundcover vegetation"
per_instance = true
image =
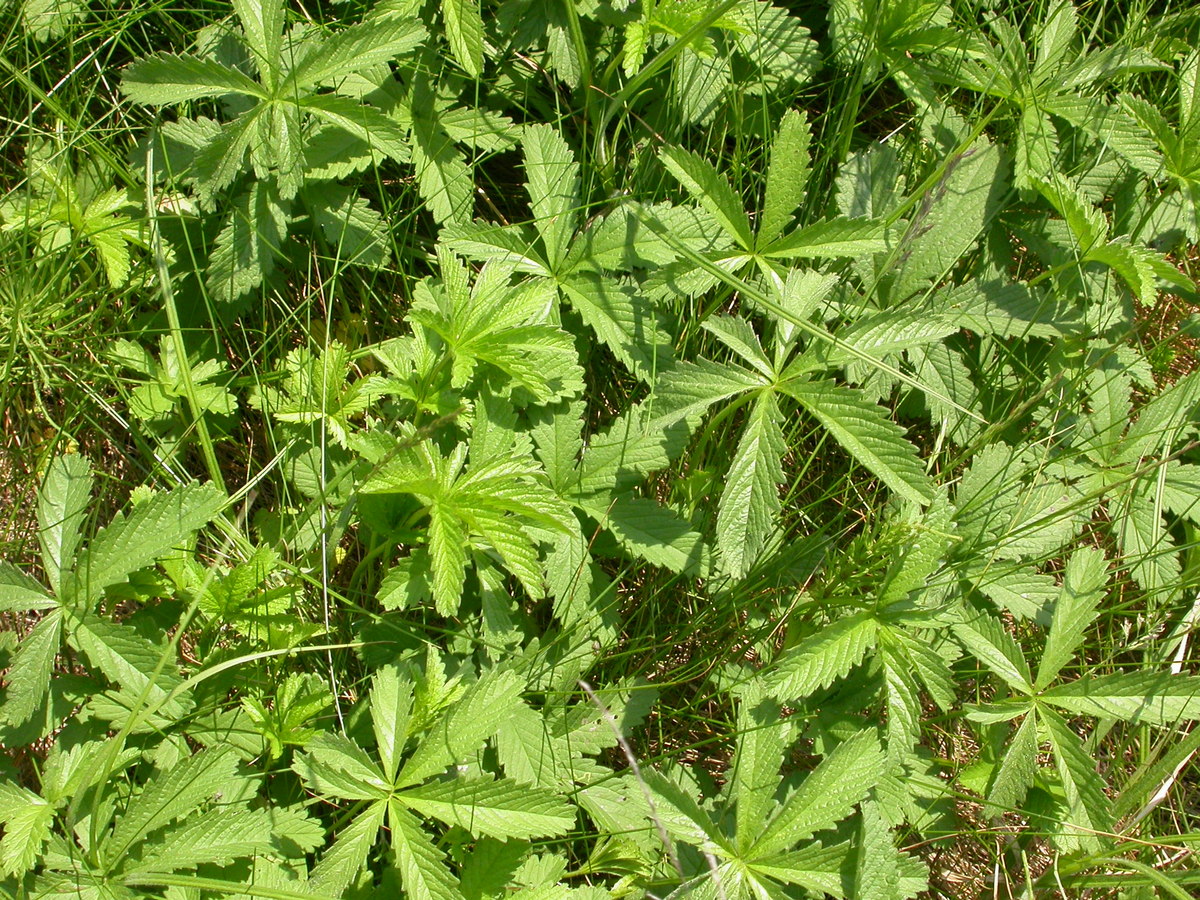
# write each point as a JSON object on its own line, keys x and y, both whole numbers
{"x": 567, "y": 449}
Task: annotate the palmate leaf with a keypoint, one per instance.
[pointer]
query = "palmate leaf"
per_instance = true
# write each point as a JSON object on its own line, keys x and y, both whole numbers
{"x": 19, "y": 591}
{"x": 171, "y": 795}
{"x": 754, "y": 778}
{"x": 831, "y": 239}
{"x": 866, "y": 432}
{"x": 129, "y": 660}
{"x": 251, "y": 241}
{"x": 356, "y": 232}
{"x": 1087, "y": 806}
{"x": 1157, "y": 698}
{"x": 263, "y": 23}
{"x": 27, "y": 821}
{"x": 985, "y": 637}
{"x": 787, "y": 176}
{"x": 164, "y": 79}
{"x": 825, "y": 797}
{"x": 421, "y": 865}
{"x": 500, "y": 809}
{"x": 711, "y": 190}
{"x": 354, "y": 49}
{"x": 340, "y": 865}
{"x": 822, "y": 658}
{"x": 152, "y": 529}
{"x": 223, "y": 835}
{"x": 1074, "y": 609}
{"x": 483, "y": 708}
{"x": 652, "y": 532}
{"x": 30, "y": 670}
{"x": 627, "y": 325}
{"x": 446, "y": 183}
{"x": 1018, "y": 768}
{"x": 750, "y": 502}
{"x": 464, "y": 32}
{"x": 552, "y": 180}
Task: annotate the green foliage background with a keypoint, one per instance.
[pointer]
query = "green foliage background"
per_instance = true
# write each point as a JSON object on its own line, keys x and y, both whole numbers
{"x": 654, "y": 448}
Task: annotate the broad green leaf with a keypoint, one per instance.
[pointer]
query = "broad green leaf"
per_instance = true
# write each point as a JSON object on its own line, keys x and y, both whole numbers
{"x": 464, "y": 32}
{"x": 1087, "y": 806}
{"x": 1147, "y": 547}
{"x": 129, "y": 660}
{"x": 1074, "y": 610}
{"x": 171, "y": 795}
{"x": 220, "y": 159}
{"x": 552, "y": 179}
{"x": 483, "y": 708}
{"x": 371, "y": 126}
{"x": 356, "y": 232}
{"x": 1017, "y": 770}
{"x": 676, "y": 808}
{"x": 20, "y": 592}
{"x": 822, "y": 658}
{"x": 691, "y": 388}
{"x": 251, "y": 241}
{"x": 421, "y": 865}
{"x": 168, "y": 78}
{"x": 902, "y": 698}
{"x": 830, "y": 240}
{"x": 391, "y": 705}
{"x": 27, "y": 820}
{"x": 813, "y": 867}
{"x": 447, "y": 541}
{"x": 868, "y": 435}
{"x": 750, "y": 502}
{"x": 711, "y": 190}
{"x": 876, "y": 859}
{"x": 354, "y": 49}
{"x": 339, "y": 866}
{"x": 530, "y": 754}
{"x": 446, "y": 183}
{"x": 826, "y": 796}
{"x": 632, "y": 447}
{"x": 626, "y": 323}
{"x": 1162, "y": 420}
{"x": 221, "y": 836}
{"x": 655, "y": 533}
{"x": 738, "y": 335}
{"x": 985, "y": 637}
{"x": 787, "y": 176}
{"x": 152, "y": 529}
{"x": 335, "y": 766}
{"x": 1157, "y": 698}
{"x": 500, "y": 809}
{"x": 953, "y": 214}
{"x": 31, "y": 668}
{"x": 263, "y": 23}
{"x": 556, "y": 432}
{"x": 507, "y": 244}
{"x": 754, "y": 777}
